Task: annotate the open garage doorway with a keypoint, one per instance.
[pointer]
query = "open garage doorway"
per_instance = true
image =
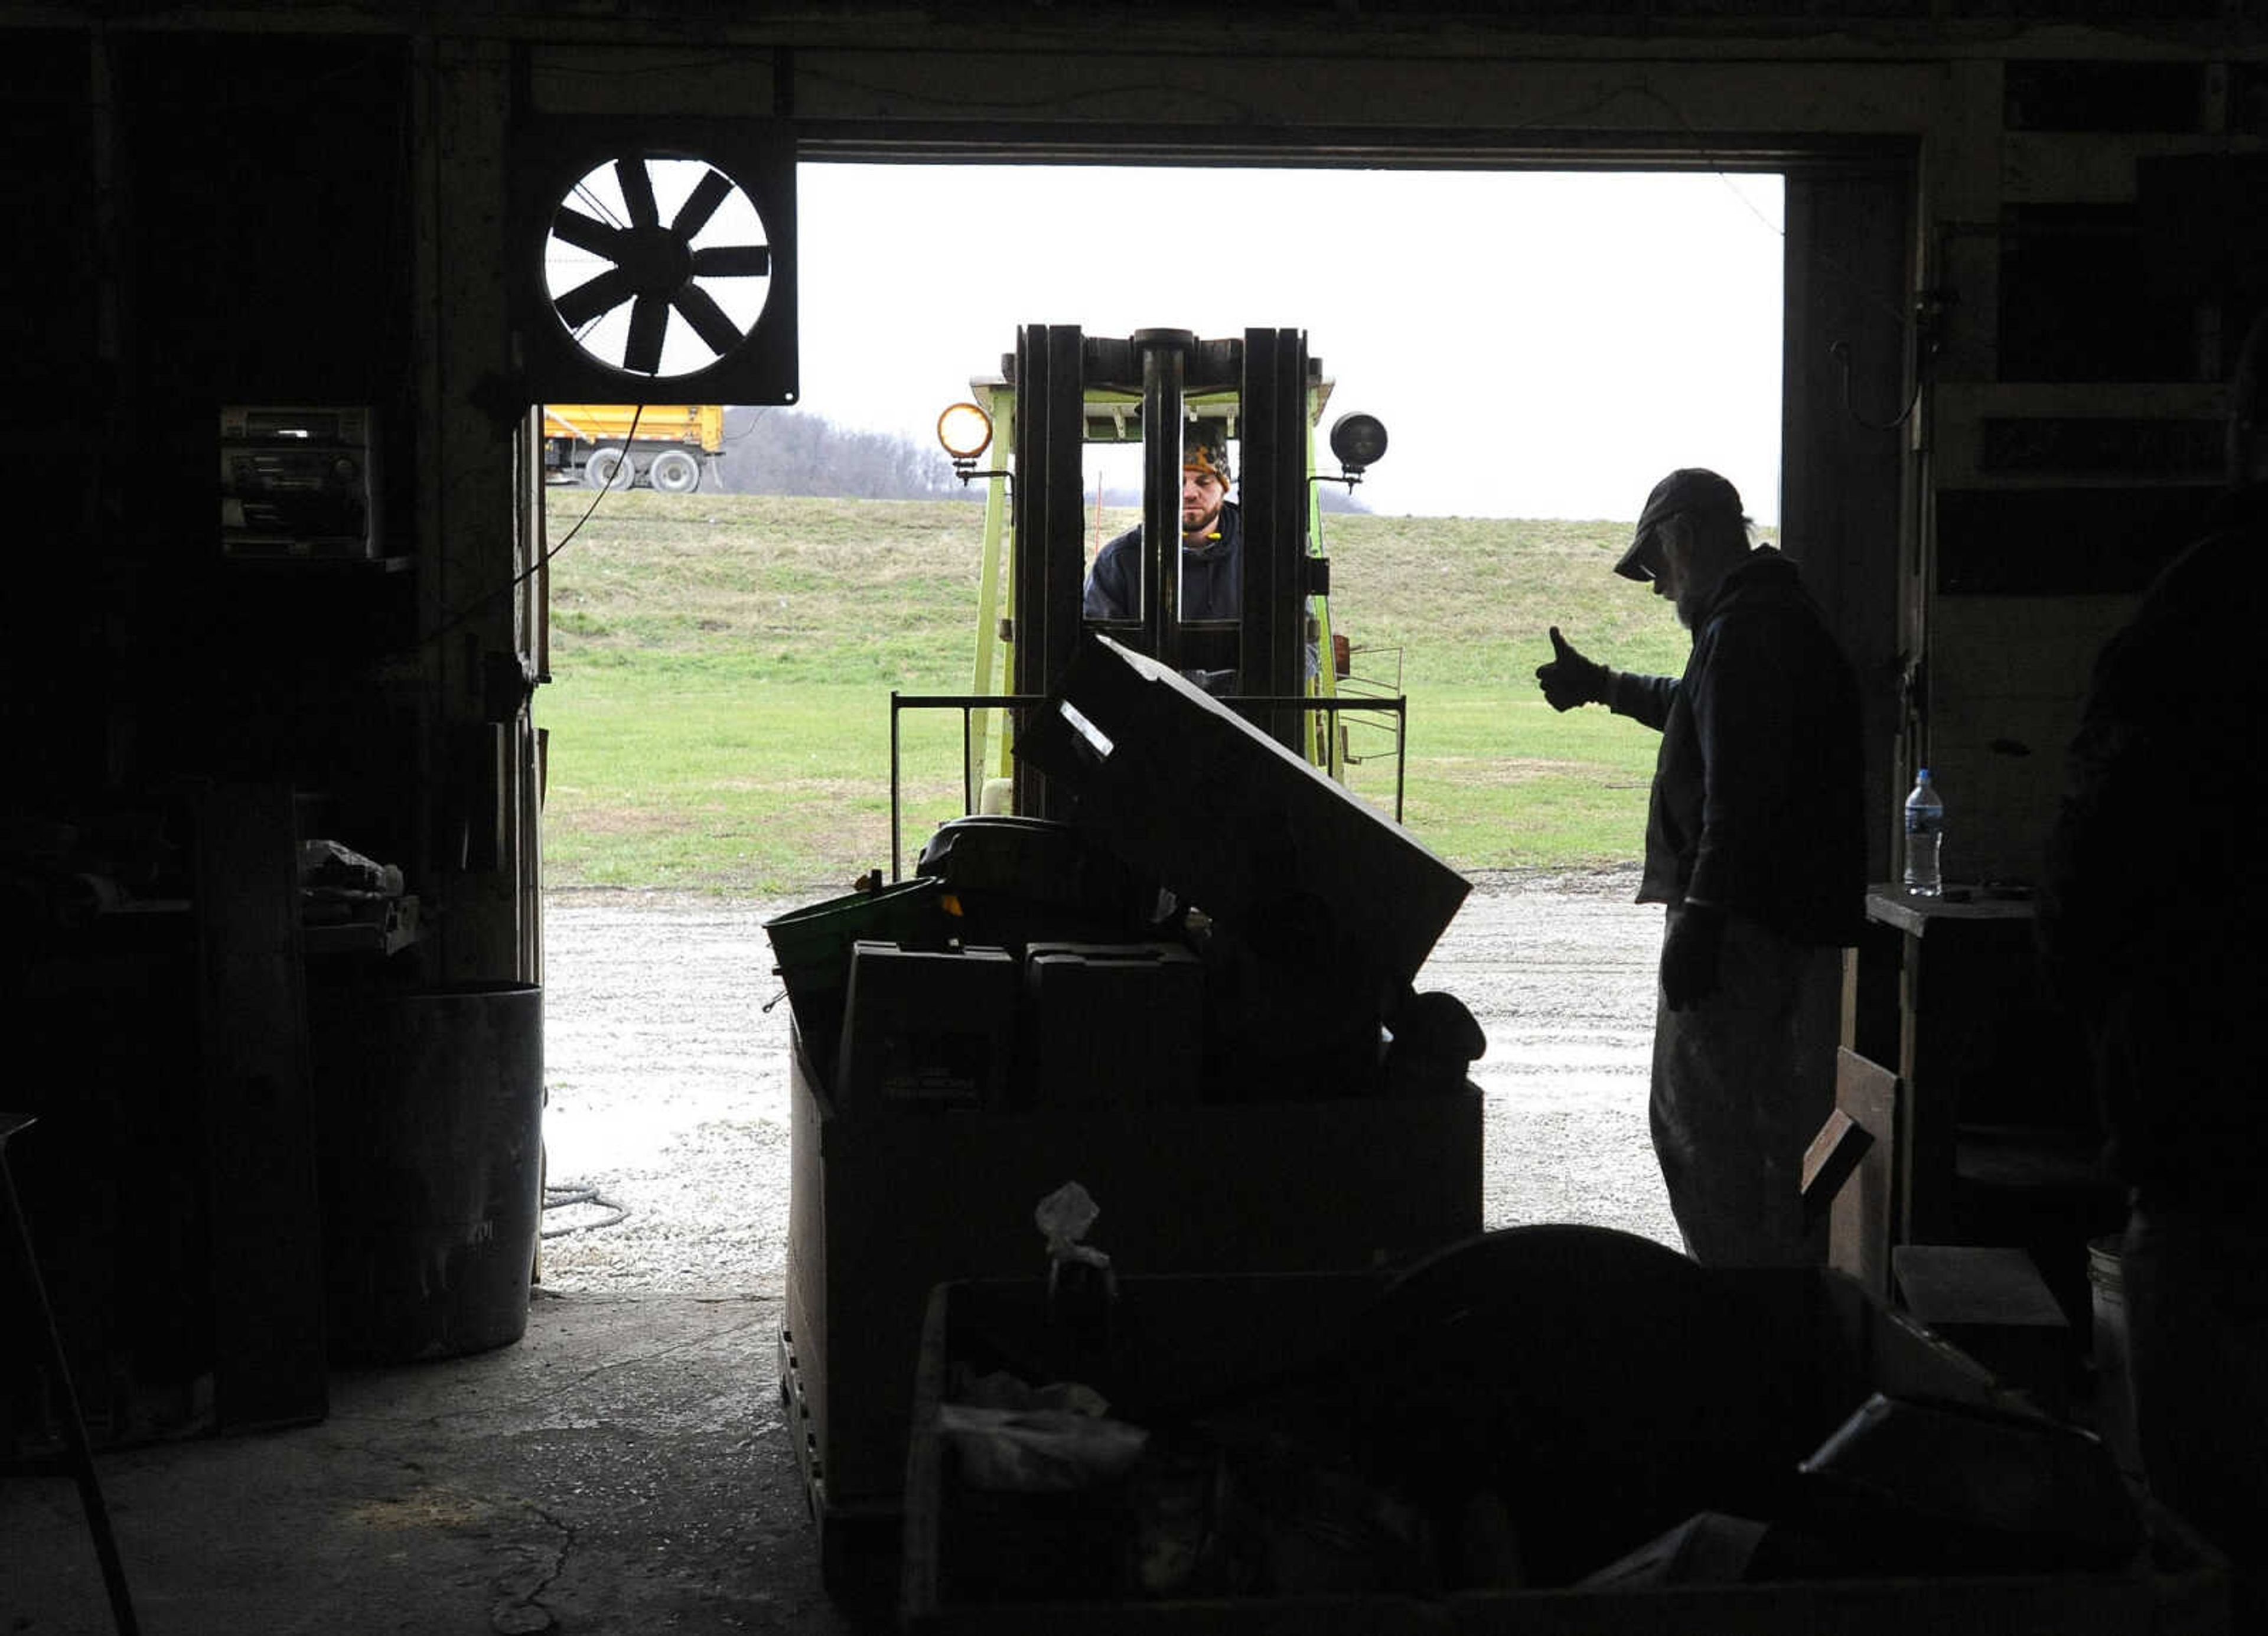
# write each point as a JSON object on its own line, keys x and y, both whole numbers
{"x": 1542, "y": 346}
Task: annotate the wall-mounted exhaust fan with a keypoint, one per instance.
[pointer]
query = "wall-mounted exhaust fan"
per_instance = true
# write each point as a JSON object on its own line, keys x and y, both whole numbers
{"x": 656, "y": 268}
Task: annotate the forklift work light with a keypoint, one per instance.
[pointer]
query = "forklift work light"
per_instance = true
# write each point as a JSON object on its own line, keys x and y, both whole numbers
{"x": 965, "y": 430}
{"x": 1358, "y": 441}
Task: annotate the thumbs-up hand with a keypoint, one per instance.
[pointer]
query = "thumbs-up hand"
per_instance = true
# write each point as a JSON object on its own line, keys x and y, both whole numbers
{"x": 1568, "y": 679}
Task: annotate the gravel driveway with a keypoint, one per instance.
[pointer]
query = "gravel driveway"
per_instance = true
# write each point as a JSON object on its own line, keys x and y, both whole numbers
{"x": 668, "y": 1075}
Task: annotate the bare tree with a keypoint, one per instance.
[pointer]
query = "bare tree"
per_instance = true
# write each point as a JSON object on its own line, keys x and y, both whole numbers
{"x": 784, "y": 451}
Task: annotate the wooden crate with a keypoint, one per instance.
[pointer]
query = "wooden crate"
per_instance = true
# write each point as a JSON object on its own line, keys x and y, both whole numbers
{"x": 882, "y": 1208}
{"x": 1816, "y": 1344}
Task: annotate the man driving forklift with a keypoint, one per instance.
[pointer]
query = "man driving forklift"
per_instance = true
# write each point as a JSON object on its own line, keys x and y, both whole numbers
{"x": 1213, "y": 542}
{"x": 1211, "y": 563}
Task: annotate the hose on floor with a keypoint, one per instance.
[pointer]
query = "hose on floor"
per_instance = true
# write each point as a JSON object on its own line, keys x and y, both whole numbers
{"x": 560, "y": 1197}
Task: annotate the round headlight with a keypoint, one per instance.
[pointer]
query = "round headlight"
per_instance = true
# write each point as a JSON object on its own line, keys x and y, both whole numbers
{"x": 965, "y": 432}
{"x": 1358, "y": 441}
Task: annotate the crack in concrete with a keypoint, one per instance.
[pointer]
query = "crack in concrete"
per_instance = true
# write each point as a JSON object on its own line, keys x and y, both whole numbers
{"x": 521, "y": 1612}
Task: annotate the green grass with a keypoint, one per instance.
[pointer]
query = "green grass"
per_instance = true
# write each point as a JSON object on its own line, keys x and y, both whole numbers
{"x": 722, "y": 664}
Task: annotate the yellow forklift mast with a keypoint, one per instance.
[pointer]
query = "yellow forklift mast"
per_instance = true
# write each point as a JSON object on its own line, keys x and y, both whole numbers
{"x": 1278, "y": 661}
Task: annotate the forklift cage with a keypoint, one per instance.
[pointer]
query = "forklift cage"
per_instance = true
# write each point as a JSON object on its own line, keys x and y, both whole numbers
{"x": 1062, "y": 390}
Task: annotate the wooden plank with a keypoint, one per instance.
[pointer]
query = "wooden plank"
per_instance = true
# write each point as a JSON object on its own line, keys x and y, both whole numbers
{"x": 266, "y": 1221}
{"x": 1862, "y": 1215}
{"x": 1845, "y": 505}
{"x": 600, "y": 78}
{"x": 2089, "y": 167}
{"x": 1960, "y": 409}
{"x": 1504, "y": 96}
{"x": 1832, "y": 1158}
{"x": 1949, "y": 1286}
{"x": 472, "y": 540}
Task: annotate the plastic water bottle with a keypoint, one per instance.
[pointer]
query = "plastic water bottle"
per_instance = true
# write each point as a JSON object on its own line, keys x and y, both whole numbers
{"x": 1925, "y": 834}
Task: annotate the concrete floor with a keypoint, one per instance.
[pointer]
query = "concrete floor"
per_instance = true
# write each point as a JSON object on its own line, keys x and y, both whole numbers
{"x": 623, "y": 1468}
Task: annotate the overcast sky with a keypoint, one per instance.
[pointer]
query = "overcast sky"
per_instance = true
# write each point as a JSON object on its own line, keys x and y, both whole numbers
{"x": 1538, "y": 345}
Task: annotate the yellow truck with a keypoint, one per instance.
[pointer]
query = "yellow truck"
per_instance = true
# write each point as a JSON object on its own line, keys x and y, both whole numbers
{"x": 670, "y": 446}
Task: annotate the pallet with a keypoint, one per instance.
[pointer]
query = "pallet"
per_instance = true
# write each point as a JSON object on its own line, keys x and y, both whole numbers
{"x": 858, "y": 1542}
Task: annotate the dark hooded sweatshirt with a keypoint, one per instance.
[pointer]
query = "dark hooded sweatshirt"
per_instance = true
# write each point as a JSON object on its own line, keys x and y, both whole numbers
{"x": 1757, "y": 802}
{"x": 1212, "y": 575}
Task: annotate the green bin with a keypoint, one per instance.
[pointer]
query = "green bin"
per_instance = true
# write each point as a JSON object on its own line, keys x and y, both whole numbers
{"x": 812, "y": 947}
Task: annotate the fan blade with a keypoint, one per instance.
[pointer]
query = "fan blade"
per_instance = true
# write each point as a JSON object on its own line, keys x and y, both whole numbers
{"x": 648, "y": 320}
{"x": 733, "y": 261}
{"x": 708, "y": 318}
{"x": 638, "y": 192}
{"x": 586, "y": 301}
{"x": 584, "y": 232}
{"x": 710, "y": 192}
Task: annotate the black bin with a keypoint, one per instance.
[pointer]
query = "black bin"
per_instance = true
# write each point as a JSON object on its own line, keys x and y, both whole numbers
{"x": 431, "y": 1140}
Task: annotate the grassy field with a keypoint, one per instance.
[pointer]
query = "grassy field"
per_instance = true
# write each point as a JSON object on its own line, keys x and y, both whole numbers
{"x": 719, "y": 718}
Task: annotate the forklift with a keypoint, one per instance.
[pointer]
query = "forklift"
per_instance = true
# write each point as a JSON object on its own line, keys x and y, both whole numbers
{"x": 1278, "y": 662}
{"x": 1186, "y": 1021}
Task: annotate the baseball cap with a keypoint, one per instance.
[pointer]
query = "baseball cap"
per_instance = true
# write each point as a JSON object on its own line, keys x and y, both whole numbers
{"x": 1688, "y": 489}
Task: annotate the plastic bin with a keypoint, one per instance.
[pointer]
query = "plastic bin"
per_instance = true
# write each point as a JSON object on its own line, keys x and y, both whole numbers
{"x": 813, "y": 946}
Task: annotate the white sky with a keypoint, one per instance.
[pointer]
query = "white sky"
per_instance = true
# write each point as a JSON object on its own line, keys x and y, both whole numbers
{"x": 1538, "y": 344}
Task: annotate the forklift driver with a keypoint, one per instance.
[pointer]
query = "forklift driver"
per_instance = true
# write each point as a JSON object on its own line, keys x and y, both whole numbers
{"x": 1212, "y": 543}
{"x": 1211, "y": 563}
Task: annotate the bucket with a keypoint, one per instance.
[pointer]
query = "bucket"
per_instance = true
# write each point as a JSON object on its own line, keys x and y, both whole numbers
{"x": 2114, "y": 1387}
{"x": 430, "y": 1142}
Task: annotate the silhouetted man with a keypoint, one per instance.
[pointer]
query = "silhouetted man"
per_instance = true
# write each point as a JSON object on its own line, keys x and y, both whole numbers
{"x": 1755, "y": 842}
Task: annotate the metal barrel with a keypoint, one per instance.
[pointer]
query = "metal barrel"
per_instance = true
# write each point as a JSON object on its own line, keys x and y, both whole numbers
{"x": 429, "y": 1132}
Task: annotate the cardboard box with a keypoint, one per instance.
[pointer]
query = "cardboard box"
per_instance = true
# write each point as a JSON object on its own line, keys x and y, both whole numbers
{"x": 927, "y": 1030}
{"x": 882, "y": 1208}
{"x": 1184, "y": 789}
{"x": 1111, "y": 1025}
{"x": 1778, "y": 1364}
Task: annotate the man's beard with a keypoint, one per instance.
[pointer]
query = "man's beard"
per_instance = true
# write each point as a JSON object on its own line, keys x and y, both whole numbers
{"x": 1196, "y": 526}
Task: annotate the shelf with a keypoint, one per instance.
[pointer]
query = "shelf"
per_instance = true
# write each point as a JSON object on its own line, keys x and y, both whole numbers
{"x": 321, "y": 564}
{"x": 395, "y": 927}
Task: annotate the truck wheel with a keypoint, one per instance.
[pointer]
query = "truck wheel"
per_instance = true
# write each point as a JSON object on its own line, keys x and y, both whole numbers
{"x": 609, "y": 468}
{"x": 673, "y": 471}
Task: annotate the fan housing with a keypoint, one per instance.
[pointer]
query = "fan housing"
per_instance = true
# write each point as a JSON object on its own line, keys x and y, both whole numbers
{"x": 653, "y": 266}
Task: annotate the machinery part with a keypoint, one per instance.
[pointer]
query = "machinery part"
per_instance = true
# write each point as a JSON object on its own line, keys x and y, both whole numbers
{"x": 673, "y": 471}
{"x": 609, "y": 468}
{"x": 1359, "y": 442}
{"x": 652, "y": 255}
{"x": 1165, "y": 374}
{"x": 660, "y": 292}
{"x": 1061, "y": 389}
{"x": 965, "y": 430}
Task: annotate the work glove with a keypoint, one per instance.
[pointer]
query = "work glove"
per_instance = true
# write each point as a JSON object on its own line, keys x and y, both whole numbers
{"x": 1692, "y": 948}
{"x": 1568, "y": 679}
